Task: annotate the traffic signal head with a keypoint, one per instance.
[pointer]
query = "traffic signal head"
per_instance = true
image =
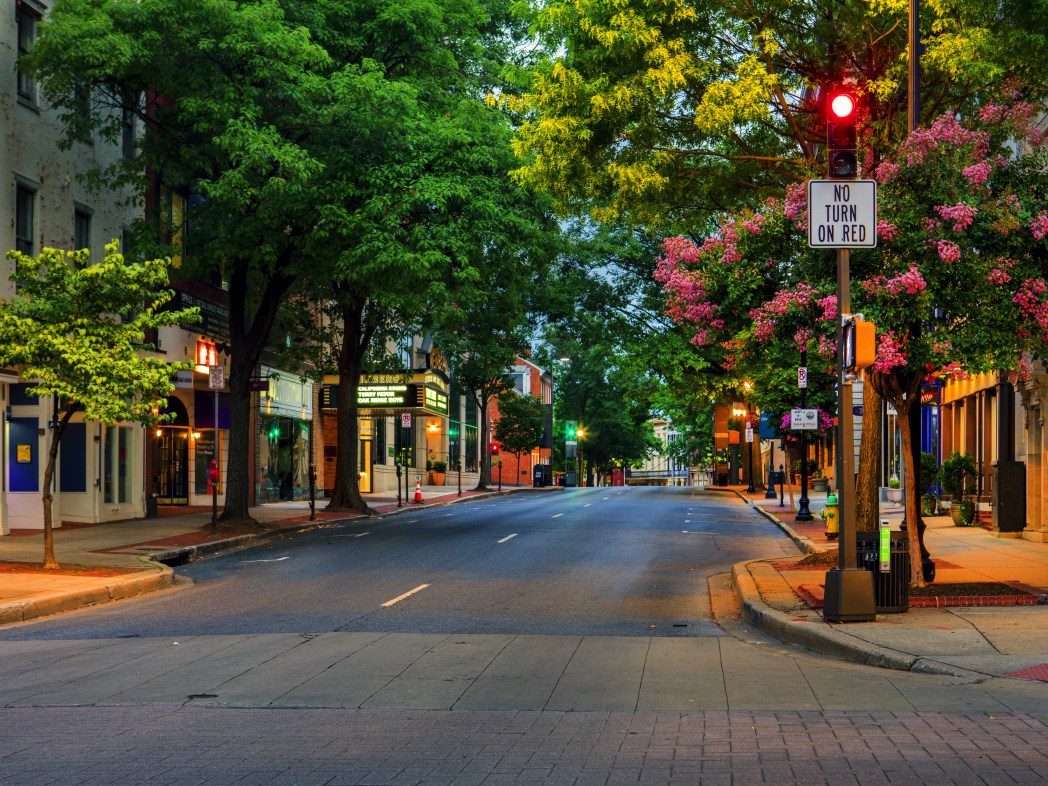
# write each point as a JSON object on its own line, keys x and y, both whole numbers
{"x": 494, "y": 448}
{"x": 570, "y": 430}
{"x": 860, "y": 344}
{"x": 842, "y": 136}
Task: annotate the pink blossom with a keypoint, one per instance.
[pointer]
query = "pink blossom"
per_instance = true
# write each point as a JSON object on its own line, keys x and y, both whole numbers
{"x": 910, "y": 283}
{"x": 953, "y": 371}
{"x": 960, "y": 214}
{"x": 753, "y": 225}
{"x": 931, "y": 225}
{"x": 801, "y": 338}
{"x": 796, "y": 205}
{"x": 1039, "y": 226}
{"x": 886, "y": 171}
{"x": 948, "y": 252}
{"x": 997, "y": 277}
{"x": 889, "y": 353}
{"x": 886, "y": 230}
{"x": 977, "y": 173}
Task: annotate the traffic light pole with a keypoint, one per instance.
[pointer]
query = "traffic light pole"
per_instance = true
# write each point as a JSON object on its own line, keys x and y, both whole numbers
{"x": 849, "y": 589}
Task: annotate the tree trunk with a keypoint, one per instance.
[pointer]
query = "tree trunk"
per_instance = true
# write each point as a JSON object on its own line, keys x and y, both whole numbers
{"x": 867, "y": 494}
{"x": 355, "y": 339}
{"x": 485, "y": 441}
{"x": 247, "y": 345}
{"x": 912, "y": 499}
{"x": 50, "y": 562}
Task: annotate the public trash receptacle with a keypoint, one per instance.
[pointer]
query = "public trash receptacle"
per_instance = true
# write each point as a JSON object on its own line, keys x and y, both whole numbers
{"x": 891, "y": 590}
{"x": 570, "y": 478}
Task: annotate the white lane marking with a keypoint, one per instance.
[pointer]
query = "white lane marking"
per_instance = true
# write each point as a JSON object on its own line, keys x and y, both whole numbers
{"x": 358, "y": 535}
{"x": 557, "y": 515}
{"x": 407, "y": 594}
{"x": 605, "y": 497}
{"x": 278, "y": 559}
{"x": 587, "y": 504}
{"x": 508, "y": 537}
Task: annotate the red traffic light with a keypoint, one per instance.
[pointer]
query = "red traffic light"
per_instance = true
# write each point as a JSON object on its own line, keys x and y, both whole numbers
{"x": 842, "y": 136}
{"x": 494, "y": 448}
{"x": 842, "y": 105}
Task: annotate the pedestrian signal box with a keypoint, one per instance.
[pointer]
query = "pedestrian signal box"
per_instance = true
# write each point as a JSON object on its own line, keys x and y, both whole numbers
{"x": 860, "y": 344}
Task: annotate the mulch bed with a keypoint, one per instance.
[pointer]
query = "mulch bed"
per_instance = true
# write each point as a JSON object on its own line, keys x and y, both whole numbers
{"x": 65, "y": 569}
{"x": 976, "y": 593}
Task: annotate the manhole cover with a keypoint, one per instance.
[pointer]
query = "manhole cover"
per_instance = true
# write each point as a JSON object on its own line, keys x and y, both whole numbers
{"x": 1039, "y": 672}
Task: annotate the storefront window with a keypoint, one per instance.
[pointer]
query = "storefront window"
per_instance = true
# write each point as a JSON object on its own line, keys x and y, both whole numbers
{"x": 205, "y": 451}
{"x": 283, "y": 459}
{"x": 117, "y": 455}
{"x": 379, "y": 431}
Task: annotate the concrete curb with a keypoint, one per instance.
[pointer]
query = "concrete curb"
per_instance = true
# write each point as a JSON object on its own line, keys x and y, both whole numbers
{"x": 824, "y": 638}
{"x": 154, "y": 578}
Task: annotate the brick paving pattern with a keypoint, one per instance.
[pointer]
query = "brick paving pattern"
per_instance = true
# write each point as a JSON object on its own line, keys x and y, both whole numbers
{"x": 206, "y": 747}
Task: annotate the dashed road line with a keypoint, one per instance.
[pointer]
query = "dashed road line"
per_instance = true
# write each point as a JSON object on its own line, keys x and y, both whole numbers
{"x": 407, "y": 594}
{"x": 508, "y": 537}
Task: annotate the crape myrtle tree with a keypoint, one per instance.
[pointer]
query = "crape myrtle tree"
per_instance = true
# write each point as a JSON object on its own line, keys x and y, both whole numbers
{"x": 955, "y": 286}
{"x": 76, "y": 331}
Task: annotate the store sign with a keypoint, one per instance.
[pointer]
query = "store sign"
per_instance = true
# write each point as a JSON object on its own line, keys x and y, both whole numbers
{"x": 183, "y": 380}
{"x": 804, "y": 420}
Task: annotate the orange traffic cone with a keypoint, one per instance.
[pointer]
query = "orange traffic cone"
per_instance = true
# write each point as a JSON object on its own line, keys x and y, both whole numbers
{"x": 418, "y": 489}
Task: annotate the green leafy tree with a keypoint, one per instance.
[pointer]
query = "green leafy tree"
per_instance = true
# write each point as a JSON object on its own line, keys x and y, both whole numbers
{"x": 521, "y": 423}
{"x": 76, "y": 331}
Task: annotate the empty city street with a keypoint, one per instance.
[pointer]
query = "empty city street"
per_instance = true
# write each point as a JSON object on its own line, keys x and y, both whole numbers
{"x": 560, "y": 637}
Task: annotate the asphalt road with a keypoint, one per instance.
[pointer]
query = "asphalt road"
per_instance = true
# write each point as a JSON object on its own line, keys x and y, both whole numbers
{"x": 562, "y": 638}
{"x": 585, "y": 562}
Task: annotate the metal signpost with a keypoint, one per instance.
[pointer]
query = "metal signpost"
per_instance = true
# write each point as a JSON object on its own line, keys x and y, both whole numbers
{"x": 216, "y": 380}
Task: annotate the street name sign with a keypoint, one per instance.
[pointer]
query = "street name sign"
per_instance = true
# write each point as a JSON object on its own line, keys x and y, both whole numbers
{"x": 804, "y": 419}
{"x": 842, "y": 213}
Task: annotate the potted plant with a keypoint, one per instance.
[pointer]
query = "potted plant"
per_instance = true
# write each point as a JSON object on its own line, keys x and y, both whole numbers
{"x": 437, "y": 472}
{"x": 930, "y": 482}
{"x": 894, "y": 492}
{"x": 819, "y": 482}
{"x": 958, "y": 474}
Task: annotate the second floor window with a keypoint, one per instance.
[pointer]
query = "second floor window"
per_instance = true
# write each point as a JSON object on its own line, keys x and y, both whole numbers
{"x": 127, "y": 136}
{"x": 26, "y": 35}
{"x": 25, "y": 219}
{"x": 81, "y": 229}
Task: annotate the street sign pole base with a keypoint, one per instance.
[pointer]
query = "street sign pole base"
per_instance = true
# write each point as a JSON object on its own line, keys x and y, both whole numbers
{"x": 849, "y": 596}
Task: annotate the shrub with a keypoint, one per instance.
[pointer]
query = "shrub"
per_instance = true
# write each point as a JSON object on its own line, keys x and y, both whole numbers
{"x": 958, "y": 473}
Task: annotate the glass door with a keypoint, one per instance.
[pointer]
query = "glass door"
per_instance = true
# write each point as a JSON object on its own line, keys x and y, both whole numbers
{"x": 171, "y": 466}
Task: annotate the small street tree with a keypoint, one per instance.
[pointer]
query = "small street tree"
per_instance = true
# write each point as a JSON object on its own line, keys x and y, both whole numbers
{"x": 77, "y": 331}
{"x": 521, "y": 423}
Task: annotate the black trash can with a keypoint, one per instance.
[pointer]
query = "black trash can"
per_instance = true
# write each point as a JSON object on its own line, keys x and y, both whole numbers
{"x": 891, "y": 590}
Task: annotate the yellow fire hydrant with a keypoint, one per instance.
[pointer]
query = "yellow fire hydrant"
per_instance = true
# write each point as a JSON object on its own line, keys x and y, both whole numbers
{"x": 829, "y": 515}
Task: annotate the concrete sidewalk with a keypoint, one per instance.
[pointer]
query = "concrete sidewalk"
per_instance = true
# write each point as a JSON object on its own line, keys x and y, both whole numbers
{"x": 781, "y": 598}
{"x": 106, "y": 562}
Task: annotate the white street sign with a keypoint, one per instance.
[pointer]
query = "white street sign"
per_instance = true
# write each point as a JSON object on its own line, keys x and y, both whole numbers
{"x": 749, "y": 435}
{"x": 804, "y": 420}
{"x": 216, "y": 377}
{"x": 842, "y": 213}
{"x": 405, "y": 419}
{"x": 802, "y": 377}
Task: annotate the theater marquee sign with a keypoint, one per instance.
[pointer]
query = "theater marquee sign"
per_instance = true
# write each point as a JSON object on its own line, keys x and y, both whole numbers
{"x": 386, "y": 395}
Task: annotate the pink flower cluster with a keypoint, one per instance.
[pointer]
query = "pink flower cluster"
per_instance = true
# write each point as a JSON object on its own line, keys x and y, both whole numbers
{"x": 948, "y": 252}
{"x": 977, "y": 174}
{"x": 766, "y": 316}
{"x": 889, "y": 353}
{"x": 886, "y": 231}
{"x": 953, "y": 371}
{"x": 686, "y": 298}
{"x": 1031, "y": 303}
{"x": 910, "y": 283}
{"x": 1039, "y": 226}
{"x": 960, "y": 214}
{"x": 998, "y": 277}
{"x": 796, "y": 205}
{"x": 753, "y": 225}
{"x": 801, "y": 338}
